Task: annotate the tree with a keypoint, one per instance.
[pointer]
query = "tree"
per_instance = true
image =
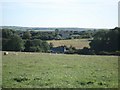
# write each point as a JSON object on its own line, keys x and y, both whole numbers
{"x": 56, "y": 32}
{"x": 51, "y": 45}
{"x": 15, "y": 44}
{"x": 7, "y": 33}
{"x": 36, "y": 46}
{"x": 106, "y": 40}
{"x": 45, "y": 46}
{"x": 26, "y": 35}
{"x": 11, "y": 41}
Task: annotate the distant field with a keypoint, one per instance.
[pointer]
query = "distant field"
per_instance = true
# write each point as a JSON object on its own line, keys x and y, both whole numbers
{"x": 40, "y": 70}
{"x": 78, "y": 43}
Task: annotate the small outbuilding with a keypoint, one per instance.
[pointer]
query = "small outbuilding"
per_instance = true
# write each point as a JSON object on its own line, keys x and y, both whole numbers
{"x": 60, "y": 49}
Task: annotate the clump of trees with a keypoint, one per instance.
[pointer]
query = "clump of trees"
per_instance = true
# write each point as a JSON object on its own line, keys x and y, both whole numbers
{"x": 42, "y": 35}
{"x": 14, "y": 41}
{"x": 11, "y": 41}
{"x": 36, "y": 46}
{"x": 106, "y": 41}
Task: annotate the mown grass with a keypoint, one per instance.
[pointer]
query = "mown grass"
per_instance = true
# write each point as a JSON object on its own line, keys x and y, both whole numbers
{"x": 40, "y": 70}
{"x": 77, "y": 43}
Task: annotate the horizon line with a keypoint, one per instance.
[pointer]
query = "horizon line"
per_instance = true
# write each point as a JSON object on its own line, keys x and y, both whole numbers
{"x": 54, "y": 27}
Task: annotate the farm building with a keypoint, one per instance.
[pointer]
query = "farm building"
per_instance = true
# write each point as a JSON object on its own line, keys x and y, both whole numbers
{"x": 60, "y": 49}
{"x": 66, "y": 34}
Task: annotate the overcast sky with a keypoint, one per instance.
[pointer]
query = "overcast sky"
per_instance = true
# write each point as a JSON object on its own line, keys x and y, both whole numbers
{"x": 60, "y": 13}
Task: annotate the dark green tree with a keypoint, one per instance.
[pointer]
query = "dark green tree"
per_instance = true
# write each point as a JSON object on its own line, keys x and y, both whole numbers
{"x": 26, "y": 35}
{"x": 7, "y": 33}
{"x": 106, "y": 40}
{"x": 51, "y": 45}
{"x": 15, "y": 43}
{"x": 36, "y": 46}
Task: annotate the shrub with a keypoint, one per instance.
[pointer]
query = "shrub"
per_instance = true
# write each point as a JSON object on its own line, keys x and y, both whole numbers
{"x": 86, "y": 51}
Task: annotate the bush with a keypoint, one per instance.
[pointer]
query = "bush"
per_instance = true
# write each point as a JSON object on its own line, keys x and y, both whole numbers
{"x": 86, "y": 51}
{"x": 70, "y": 50}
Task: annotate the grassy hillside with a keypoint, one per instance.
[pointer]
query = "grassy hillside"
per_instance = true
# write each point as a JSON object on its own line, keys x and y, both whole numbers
{"x": 78, "y": 43}
{"x": 40, "y": 70}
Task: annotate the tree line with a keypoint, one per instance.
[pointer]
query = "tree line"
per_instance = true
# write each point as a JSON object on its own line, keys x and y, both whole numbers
{"x": 103, "y": 42}
{"x": 13, "y": 41}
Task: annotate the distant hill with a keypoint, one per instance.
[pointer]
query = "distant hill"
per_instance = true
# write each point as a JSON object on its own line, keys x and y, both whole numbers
{"x": 45, "y": 28}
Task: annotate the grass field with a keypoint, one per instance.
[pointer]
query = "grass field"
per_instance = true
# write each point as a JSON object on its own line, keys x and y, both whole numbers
{"x": 78, "y": 43}
{"x": 44, "y": 70}
{"x": 0, "y": 69}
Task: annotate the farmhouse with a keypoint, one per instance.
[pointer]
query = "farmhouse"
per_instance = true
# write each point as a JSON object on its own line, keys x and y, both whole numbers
{"x": 60, "y": 49}
{"x": 66, "y": 34}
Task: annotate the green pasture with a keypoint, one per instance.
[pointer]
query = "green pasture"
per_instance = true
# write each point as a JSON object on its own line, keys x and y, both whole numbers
{"x": 45, "y": 70}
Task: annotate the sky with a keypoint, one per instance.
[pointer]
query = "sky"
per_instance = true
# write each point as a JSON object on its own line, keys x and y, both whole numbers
{"x": 59, "y": 13}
